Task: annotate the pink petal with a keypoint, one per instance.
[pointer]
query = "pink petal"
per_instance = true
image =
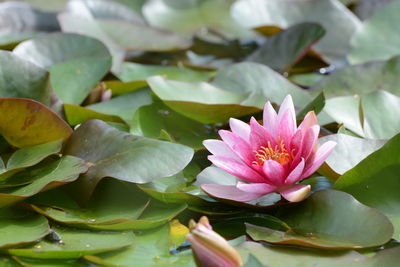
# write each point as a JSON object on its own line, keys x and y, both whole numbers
{"x": 296, "y": 193}
{"x": 240, "y": 128}
{"x": 274, "y": 171}
{"x": 270, "y": 119}
{"x": 236, "y": 168}
{"x": 309, "y": 141}
{"x": 287, "y": 127}
{"x": 309, "y": 120}
{"x": 256, "y": 188}
{"x": 207, "y": 255}
{"x": 318, "y": 158}
{"x": 295, "y": 174}
{"x": 219, "y": 148}
{"x": 230, "y": 192}
{"x": 238, "y": 146}
{"x": 287, "y": 106}
{"x": 259, "y": 136}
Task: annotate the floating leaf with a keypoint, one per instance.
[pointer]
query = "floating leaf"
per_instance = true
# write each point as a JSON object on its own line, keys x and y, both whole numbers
{"x": 29, "y": 156}
{"x": 123, "y": 106}
{"x": 40, "y": 178}
{"x": 340, "y": 23}
{"x": 20, "y": 78}
{"x": 76, "y": 115}
{"x": 76, "y": 62}
{"x": 123, "y": 156}
{"x": 25, "y": 122}
{"x": 376, "y": 39}
{"x": 362, "y": 79}
{"x": 349, "y": 151}
{"x": 283, "y": 50}
{"x": 18, "y": 227}
{"x": 189, "y": 17}
{"x": 20, "y": 21}
{"x": 372, "y": 115}
{"x": 114, "y": 206}
{"x": 75, "y": 244}
{"x": 328, "y": 219}
{"x": 375, "y": 181}
{"x": 153, "y": 251}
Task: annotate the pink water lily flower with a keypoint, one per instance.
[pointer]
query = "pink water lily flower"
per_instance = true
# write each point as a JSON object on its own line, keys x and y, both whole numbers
{"x": 268, "y": 158}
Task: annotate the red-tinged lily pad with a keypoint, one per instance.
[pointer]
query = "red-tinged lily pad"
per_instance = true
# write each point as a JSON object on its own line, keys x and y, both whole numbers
{"x": 20, "y": 227}
{"x": 25, "y": 122}
{"x": 328, "y": 220}
{"x": 41, "y": 177}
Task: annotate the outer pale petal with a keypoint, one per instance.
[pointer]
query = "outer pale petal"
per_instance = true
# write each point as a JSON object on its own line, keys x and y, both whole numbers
{"x": 309, "y": 141}
{"x": 270, "y": 119}
{"x": 240, "y": 128}
{"x": 219, "y": 148}
{"x": 256, "y": 188}
{"x": 296, "y": 193}
{"x": 319, "y": 157}
{"x": 309, "y": 120}
{"x": 240, "y": 147}
{"x": 259, "y": 136}
{"x": 296, "y": 173}
{"x": 287, "y": 106}
{"x": 236, "y": 168}
{"x": 230, "y": 192}
{"x": 274, "y": 171}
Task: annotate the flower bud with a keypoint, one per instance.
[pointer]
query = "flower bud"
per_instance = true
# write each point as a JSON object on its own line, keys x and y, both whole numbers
{"x": 209, "y": 248}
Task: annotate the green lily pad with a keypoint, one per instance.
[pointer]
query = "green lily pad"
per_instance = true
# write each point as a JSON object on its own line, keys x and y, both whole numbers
{"x": 283, "y": 50}
{"x": 75, "y": 244}
{"x": 41, "y": 177}
{"x": 123, "y": 106}
{"x": 292, "y": 256}
{"x": 236, "y": 91}
{"x": 372, "y": 115}
{"x": 374, "y": 181}
{"x": 20, "y": 78}
{"x": 328, "y": 219}
{"x": 150, "y": 121}
{"x": 375, "y": 39}
{"x": 139, "y": 72}
{"x": 349, "y": 151}
{"x": 76, "y": 115}
{"x": 76, "y": 62}
{"x": 152, "y": 249}
{"x": 123, "y": 156}
{"x": 25, "y": 122}
{"x": 362, "y": 79}
{"x": 340, "y": 23}
{"x": 115, "y": 205}
{"x": 29, "y": 156}
{"x": 189, "y": 17}
{"x": 19, "y": 227}
{"x": 20, "y": 21}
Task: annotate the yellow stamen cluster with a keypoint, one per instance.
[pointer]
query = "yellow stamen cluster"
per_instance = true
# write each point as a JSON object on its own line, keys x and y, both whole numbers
{"x": 278, "y": 153}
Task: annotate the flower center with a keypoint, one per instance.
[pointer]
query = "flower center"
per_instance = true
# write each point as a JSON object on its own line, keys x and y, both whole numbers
{"x": 278, "y": 153}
